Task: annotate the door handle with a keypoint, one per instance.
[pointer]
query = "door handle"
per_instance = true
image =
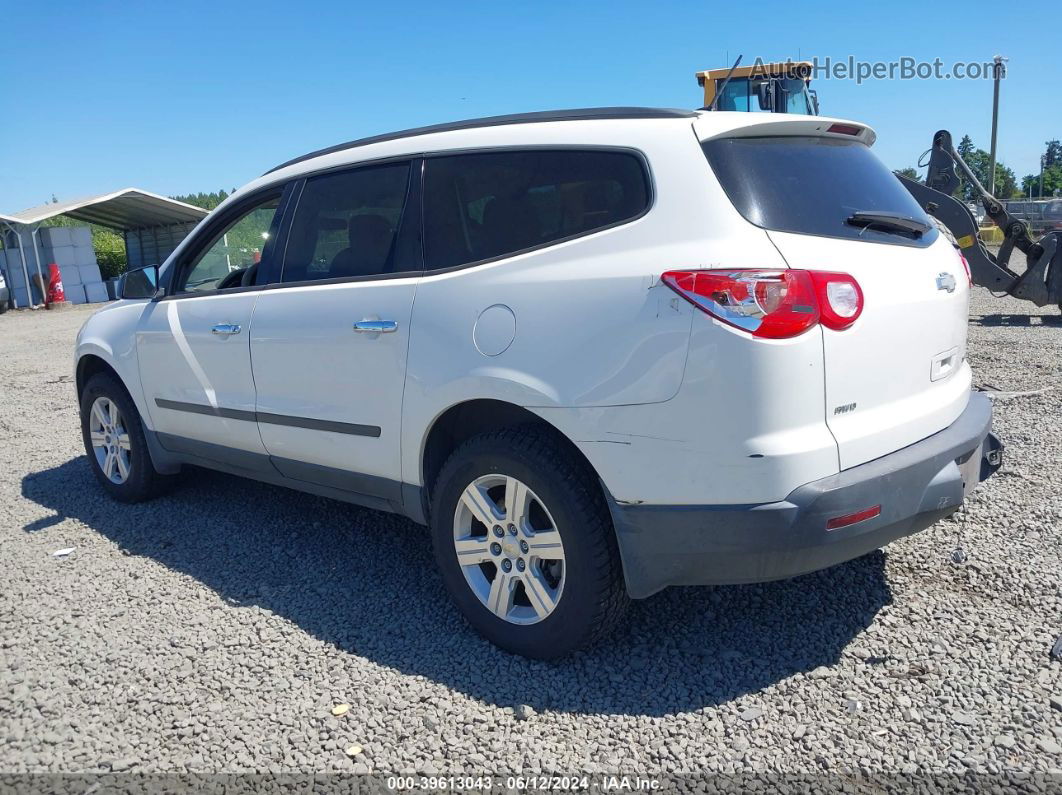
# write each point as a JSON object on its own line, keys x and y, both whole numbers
{"x": 376, "y": 326}
{"x": 225, "y": 329}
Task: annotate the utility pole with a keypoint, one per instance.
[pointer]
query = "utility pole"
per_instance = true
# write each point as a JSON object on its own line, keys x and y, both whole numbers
{"x": 999, "y": 70}
{"x": 1043, "y": 159}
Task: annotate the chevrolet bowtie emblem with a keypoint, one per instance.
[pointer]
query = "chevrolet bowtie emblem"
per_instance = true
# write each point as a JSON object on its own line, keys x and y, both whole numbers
{"x": 945, "y": 281}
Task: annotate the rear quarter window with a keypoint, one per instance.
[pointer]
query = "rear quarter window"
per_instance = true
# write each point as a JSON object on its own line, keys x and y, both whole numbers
{"x": 813, "y": 185}
{"x": 482, "y": 206}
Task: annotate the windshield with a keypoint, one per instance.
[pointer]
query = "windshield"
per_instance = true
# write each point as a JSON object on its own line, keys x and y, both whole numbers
{"x": 815, "y": 186}
{"x": 742, "y": 94}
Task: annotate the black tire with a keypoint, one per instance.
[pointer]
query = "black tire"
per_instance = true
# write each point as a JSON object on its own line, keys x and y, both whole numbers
{"x": 593, "y": 598}
{"x": 3, "y": 306}
{"x": 143, "y": 481}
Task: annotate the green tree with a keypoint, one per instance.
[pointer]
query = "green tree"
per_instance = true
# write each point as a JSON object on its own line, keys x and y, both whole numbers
{"x": 110, "y": 252}
{"x": 978, "y": 160}
{"x": 1052, "y": 172}
{"x": 1030, "y": 183}
{"x": 208, "y": 201}
{"x": 910, "y": 173}
{"x": 1053, "y": 155}
{"x": 1006, "y": 182}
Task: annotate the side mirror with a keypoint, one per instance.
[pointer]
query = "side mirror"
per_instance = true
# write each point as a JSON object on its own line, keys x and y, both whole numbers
{"x": 139, "y": 283}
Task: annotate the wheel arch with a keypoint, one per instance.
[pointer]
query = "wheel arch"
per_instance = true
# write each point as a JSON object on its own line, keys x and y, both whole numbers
{"x": 91, "y": 364}
{"x": 461, "y": 421}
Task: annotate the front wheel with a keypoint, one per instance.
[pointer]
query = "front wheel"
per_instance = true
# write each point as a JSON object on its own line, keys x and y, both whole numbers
{"x": 114, "y": 441}
{"x": 524, "y": 540}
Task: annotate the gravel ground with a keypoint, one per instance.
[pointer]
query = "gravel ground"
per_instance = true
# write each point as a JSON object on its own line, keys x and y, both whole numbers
{"x": 215, "y": 628}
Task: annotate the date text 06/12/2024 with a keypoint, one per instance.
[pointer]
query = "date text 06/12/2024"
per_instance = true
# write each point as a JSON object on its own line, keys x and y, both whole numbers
{"x": 576, "y": 783}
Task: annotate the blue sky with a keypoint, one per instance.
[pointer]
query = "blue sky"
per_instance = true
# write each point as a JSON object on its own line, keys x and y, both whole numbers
{"x": 178, "y": 97}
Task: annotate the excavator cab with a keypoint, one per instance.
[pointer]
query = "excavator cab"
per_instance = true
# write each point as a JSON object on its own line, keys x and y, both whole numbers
{"x": 771, "y": 88}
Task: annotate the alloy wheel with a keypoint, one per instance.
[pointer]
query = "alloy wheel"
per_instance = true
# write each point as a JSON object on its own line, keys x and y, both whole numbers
{"x": 110, "y": 440}
{"x": 509, "y": 549}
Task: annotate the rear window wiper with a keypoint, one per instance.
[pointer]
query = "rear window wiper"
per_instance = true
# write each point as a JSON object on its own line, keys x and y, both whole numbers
{"x": 888, "y": 222}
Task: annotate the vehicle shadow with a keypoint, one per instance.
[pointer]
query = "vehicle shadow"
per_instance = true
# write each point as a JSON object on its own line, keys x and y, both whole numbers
{"x": 366, "y": 582}
{"x": 1017, "y": 321}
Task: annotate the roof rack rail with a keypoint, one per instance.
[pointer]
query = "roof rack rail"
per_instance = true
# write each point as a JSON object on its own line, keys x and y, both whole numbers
{"x": 575, "y": 114}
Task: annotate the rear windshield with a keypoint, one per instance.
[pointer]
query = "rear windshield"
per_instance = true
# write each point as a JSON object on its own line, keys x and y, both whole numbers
{"x": 813, "y": 186}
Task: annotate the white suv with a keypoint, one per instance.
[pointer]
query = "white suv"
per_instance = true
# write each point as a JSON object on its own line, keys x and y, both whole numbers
{"x": 599, "y": 352}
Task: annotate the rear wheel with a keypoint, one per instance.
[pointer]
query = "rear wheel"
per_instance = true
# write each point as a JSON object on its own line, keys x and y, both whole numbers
{"x": 524, "y": 540}
{"x": 114, "y": 441}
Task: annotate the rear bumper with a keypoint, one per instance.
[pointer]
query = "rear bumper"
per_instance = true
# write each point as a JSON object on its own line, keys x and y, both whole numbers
{"x": 664, "y": 545}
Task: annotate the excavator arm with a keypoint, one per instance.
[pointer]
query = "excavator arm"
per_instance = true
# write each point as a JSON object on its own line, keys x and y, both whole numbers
{"x": 1041, "y": 282}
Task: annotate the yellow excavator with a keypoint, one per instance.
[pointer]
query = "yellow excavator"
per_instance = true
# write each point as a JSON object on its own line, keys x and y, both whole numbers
{"x": 772, "y": 87}
{"x": 786, "y": 88}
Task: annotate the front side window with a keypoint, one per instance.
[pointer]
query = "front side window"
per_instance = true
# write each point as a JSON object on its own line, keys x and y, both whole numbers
{"x": 233, "y": 255}
{"x": 483, "y": 206}
{"x": 346, "y": 224}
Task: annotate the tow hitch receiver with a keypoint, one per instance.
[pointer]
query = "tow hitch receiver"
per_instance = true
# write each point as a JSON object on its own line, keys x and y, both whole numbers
{"x": 991, "y": 455}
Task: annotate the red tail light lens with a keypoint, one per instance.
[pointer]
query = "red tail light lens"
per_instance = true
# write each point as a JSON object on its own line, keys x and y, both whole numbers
{"x": 768, "y": 303}
{"x": 844, "y": 129}
{"x": 838, "y": 522}
{"x": 773, "y": 304}
{"x": 966, "y": 267}
{"x": 840, "y": 299}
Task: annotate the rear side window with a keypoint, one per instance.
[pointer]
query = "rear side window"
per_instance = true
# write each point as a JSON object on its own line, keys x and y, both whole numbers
{"x": 484, "y": 206}
{"x": 346, "y": 224}
{"x": 813, "y": 186}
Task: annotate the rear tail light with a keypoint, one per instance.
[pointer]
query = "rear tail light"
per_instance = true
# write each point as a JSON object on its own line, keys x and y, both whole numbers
{"x": 773, "y": 304}
{"x": 840, "y": 299}
{"x": 966, "y": 267}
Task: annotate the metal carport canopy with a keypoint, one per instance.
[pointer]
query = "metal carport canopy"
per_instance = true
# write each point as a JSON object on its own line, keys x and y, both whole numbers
{"x": 124, "y": 209}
